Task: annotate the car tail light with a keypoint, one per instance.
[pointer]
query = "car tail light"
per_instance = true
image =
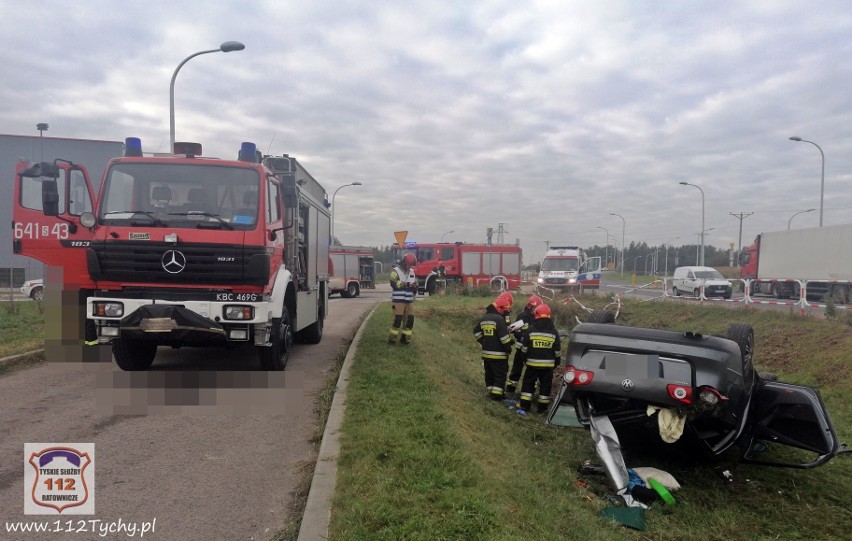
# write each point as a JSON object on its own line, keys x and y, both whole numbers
{"x": 681, "y": 393}
{"x": 710, "y": 396}
{"x": 574, "y": 376}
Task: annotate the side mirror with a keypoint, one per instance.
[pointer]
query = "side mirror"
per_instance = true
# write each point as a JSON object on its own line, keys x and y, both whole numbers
{"x": 50, "y": 198}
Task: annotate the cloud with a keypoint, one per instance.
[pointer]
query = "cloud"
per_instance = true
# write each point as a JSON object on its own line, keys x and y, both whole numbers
{"x": 545, "y": 117}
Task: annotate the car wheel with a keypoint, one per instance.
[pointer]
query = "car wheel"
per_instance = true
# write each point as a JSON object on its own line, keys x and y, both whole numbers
{"x": 37, "y": 294}
{"x": 133, "y": 355}
{"x": 696, "y": 292}
{"x": 743, "y": 335}
{"x": 675, "y": 292}
{"x": 601, "y": 316}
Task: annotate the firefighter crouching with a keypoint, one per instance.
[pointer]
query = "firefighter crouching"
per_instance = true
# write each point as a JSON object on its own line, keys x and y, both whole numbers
{"x": 519, "y": 329}
{"x": 496, "y": 340}
{"x": 403, "y": 281}
{"x": 543, "y": 348}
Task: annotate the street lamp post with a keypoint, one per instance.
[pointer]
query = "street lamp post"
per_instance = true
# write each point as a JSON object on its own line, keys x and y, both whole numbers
{"x": 793, "y": 216}
{"x": 666, "y": 276}
{"x": 606, "y": 248}
{"x": 356, "y": 183}
{"x": 702, "y": 219}
{"x": 445, "y": 234}
{"x": 623, "y": 246}
{"x": 635, "y": 260}
{"x": 822, "y": 176}
{"x": 226, "y": 47}
{"x": 701, "y": 235}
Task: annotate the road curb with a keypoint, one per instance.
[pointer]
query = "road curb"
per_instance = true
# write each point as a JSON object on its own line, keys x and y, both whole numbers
{"x": 317, "y": 515}
{"x": 12, "y": 359}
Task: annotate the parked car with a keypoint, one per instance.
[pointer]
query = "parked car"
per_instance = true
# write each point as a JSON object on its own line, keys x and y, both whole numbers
{"x": 34, "y": 289}
{"x": 688, "y": 280}
{"x": 707, "y": 381}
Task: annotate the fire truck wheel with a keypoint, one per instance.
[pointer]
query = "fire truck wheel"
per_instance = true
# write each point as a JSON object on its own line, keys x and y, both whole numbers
{"x": 352, "y": 290}
{"x": 275, "y": 357}
{"x": 133, "y": 355}
{"x": 312, "y": 334}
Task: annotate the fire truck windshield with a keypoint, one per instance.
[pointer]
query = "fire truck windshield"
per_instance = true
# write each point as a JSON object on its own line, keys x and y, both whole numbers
{"x": 181, "y": 195}
{"x": 559, "y": 264}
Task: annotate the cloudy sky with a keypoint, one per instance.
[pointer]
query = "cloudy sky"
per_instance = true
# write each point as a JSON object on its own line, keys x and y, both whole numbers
{"x": 543, "y": 116}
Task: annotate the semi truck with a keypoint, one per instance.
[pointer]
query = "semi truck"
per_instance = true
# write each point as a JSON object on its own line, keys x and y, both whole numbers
{"x": 781, "y": 263}
{"x": 351, "y": 270}
{"x": 183, "y": 250}
{"x": 567, "y": 268}
{"x": 439, "y": 264}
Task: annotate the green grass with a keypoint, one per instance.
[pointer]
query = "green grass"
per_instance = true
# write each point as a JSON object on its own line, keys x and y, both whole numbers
{"x": 21, "y": 327}
{"x": 426, "y": 456}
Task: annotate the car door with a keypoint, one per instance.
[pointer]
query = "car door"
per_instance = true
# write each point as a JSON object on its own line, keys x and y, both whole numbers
{"x": 785, "y": 416}
{"x": 49, "y": 199}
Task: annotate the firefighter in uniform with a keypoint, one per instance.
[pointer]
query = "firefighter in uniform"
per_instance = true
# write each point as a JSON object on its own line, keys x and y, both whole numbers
{"x": 543, "y": 348}
{"x": 520, "y": 329}
{"x": 403, "y": 282}
{"x": 496, "y": 340}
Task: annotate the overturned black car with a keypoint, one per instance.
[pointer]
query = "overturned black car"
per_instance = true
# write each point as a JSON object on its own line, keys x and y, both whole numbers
{"x": 693, "y": 387}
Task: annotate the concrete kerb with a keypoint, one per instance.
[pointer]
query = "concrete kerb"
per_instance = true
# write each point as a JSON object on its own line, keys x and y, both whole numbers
{"x": 13, "y": 359}
{"x": 317, "y": 515}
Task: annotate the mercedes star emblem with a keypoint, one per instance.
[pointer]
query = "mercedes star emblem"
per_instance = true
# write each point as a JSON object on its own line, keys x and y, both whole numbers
{"x": 173, "y": 261}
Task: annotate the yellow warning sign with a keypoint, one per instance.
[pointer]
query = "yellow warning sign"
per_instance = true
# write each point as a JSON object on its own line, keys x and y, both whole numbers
{"x": 400, "y": 237}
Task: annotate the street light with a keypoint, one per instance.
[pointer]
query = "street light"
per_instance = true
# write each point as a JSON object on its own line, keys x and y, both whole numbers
{"x": 667, "y": 259}
{"x": 702, "y": 219}
{"x": 606, "y": 248}
{"x": 623, "y": 247}
{"x": 635, "y": 259}
{"x": 793, "y": 216}
{"x": 822, "y": 177}
{"x": 702, "y": 246}
{"x": 445, "y": 234}
{"x": 226, "y": 47}
{"x": 356, "y": 183}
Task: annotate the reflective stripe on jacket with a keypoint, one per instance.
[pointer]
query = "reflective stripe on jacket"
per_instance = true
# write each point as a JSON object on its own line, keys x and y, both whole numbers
{"x": 399, "y": 281}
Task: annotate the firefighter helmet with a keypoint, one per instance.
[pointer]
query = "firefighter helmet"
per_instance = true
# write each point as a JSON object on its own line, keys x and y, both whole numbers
{"x": 542, "y": 310}
{"x": 503, "y": 302}
{"x": 534, "y": 302}
{"x": 409, "y": 260}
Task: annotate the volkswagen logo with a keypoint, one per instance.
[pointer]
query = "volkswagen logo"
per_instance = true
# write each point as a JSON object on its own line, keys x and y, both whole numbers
{"x": 627, "y": 385}
{"x": 173, "y": 261}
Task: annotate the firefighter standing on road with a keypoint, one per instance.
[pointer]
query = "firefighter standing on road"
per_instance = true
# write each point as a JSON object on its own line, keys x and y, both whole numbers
{"x": 496, "y": 340}
{"x": 403, "y": 281}
{"x": 524, "y": 319}
{"x": 543, "y": 348}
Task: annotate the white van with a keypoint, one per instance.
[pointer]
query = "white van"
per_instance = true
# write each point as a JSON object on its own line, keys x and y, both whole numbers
{"x": 688, "y": 281}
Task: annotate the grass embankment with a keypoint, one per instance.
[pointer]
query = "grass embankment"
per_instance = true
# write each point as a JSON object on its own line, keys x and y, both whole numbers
{"x": 426, "y": 456}
{"x": 21, "y": 327}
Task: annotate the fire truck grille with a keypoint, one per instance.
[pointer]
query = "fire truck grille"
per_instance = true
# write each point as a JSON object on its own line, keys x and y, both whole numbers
{"x": 158, "y": 262}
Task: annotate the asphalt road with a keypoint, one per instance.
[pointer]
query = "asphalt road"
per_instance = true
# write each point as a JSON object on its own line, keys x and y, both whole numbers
{"x": 206, "y": 453}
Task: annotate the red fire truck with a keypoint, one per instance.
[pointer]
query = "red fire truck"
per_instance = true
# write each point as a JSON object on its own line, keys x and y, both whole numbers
{"x": 495, "y": 265}
{"x": 182, "y": 250}
{"x": 351, "y": 270}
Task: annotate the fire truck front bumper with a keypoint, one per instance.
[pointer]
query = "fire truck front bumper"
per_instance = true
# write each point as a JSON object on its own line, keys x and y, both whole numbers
{"x": 178, "y": 324}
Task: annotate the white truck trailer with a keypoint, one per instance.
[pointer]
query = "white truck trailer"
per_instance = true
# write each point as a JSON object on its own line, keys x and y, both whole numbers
{"x": 780, "y": 263}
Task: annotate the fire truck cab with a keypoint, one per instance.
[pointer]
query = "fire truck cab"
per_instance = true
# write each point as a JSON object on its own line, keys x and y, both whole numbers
{"x": 182, "y": 250}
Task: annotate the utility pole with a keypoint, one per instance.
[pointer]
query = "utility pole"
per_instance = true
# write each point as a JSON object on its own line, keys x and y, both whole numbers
{"x": 741, "y": 216}
{"x": 500, "y": 232}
